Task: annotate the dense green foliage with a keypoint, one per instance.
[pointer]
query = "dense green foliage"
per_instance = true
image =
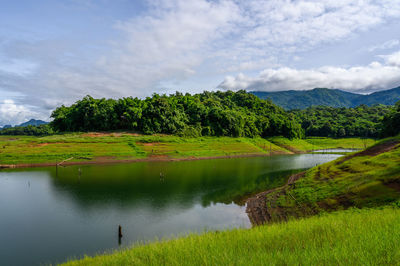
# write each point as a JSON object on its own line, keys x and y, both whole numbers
{"x": 234, "y": 114}
{"x": 362, "y": 121}
{"x": 353, "y": 237}
{"x": 28, "y": 130}
{"x": 391, "y": 122}
{"x": 329, "y": 97}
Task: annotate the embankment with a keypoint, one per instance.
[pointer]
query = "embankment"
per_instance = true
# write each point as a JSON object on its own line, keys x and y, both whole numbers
{"x": 369, "y": 178}
{"x": 102, "y": 148}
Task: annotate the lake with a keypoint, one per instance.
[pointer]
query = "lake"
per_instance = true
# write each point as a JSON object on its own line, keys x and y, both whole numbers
{"x": 50, "y": 215}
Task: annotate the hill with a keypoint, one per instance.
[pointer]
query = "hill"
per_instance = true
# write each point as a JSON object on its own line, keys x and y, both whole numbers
{"x": 32, "y": 122}
{"x": 328, "y": 97}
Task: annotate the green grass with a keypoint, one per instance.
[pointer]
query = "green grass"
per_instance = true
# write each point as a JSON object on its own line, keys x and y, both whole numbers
{"x": 125, "y": 146}
{"x": 353, "y": 237}
{"x": 320, "y": 143}
{"x": 360, "y": 181}
{"x": 120, "y": 146}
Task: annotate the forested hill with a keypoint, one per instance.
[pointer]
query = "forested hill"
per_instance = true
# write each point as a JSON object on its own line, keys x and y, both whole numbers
{"x": 328, "y": 97}
{"x": 235, "y": 114}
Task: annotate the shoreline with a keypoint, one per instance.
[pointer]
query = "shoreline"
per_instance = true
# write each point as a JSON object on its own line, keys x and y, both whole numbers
{"x": 263, "y": 209}
{"x": 147, "y": 159}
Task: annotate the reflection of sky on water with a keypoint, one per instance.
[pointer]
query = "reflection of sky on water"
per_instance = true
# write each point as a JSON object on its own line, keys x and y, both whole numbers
{"x": 337, "y": 150}
{"x": 50, "y": 215}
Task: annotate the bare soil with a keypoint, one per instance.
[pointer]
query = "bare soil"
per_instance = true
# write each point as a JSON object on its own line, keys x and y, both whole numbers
{"x": 111, "y": 160}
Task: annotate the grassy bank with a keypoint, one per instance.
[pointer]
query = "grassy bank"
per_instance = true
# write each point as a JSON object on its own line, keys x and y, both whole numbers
{"x": 97, "y": 147}
{"x": 320, "y": 143}
{"x": 366, "y": 179}
{"x": 354, "y": 237}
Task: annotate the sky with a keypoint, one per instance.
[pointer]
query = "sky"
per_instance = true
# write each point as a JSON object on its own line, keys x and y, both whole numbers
{"x": 56, "y": 52}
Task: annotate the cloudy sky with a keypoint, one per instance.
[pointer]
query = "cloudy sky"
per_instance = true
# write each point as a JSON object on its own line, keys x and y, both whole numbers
{"x": 55, "y": 52}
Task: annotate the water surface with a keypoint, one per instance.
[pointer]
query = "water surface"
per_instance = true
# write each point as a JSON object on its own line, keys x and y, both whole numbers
{"x": 336, "y": 150}
{"x": 49, "y": 215}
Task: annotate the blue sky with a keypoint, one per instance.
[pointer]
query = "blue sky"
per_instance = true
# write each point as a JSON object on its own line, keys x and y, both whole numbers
{"x": 55, "y": 52}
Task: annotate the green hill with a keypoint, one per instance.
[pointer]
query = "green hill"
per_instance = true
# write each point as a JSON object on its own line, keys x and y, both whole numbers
{"x": 329, "y": 97}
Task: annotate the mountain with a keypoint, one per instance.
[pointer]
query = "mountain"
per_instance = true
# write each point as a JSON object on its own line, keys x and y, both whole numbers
{"x": 32, "y": 122}
{"x": 329, "y": 97}
{"x": 6, "y": 126}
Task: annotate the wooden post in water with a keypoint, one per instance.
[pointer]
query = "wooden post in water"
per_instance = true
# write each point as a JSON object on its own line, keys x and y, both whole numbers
{"x": 119, "y": 234}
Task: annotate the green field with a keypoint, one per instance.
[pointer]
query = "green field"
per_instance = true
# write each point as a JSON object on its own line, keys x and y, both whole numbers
{"x": 104, "y": 147}
{"x": 353, "y": 237}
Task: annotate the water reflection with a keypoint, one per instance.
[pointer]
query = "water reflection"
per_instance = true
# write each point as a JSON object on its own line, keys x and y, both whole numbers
{"x": 51, "y": 214}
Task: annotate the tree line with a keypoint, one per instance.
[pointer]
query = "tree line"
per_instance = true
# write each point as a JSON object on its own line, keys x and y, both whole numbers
{"x": 235, "y": 114}
{"x": 362, "y": 121}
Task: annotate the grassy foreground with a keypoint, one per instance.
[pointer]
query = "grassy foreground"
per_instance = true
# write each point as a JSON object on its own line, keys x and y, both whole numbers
{"x": 353, "y": 237}
{"x": 105, "y": 147}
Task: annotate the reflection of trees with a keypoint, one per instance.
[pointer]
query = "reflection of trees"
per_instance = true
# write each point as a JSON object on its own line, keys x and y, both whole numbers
{"x": 182, "y": 183}
{"x": 239, "y": 194}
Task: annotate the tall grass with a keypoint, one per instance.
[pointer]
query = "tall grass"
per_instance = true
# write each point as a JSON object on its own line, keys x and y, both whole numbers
{"x": 352, "y": 237}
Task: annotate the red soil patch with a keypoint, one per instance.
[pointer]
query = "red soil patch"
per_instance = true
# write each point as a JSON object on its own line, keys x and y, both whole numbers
{"x": 106, "y": 134}
{"x": 151, "y": 143}
{"x": 42, "y": 144}
{"x": 47, "y": 143}
{"x": 158, "y": 156}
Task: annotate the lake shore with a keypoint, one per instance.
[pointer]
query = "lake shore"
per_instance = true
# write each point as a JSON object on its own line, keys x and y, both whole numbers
{"x": 333, "y": 186}
{"x": 101, "y": 161}
{"x": 106, "y": 148}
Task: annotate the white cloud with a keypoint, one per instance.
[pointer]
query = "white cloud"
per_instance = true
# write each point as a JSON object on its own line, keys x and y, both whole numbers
{"x": 374, "y": 76}
{"x": 12, "y": 113}
{"x": 393, "y": 59}
{"x": 386, "y": 45}
{"x": 175, "y": 40}
{"x": 17, "y": 67}
{"x": 300, "y": 25}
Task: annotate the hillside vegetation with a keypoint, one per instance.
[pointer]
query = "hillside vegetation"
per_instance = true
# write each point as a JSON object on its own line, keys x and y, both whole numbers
{"x": 234, "y": 114}
{"x": 327, "y": 121}
{"x": 369, "y": 178}
{"x": 231, "y": 114}
{"x": 329, "y": 97}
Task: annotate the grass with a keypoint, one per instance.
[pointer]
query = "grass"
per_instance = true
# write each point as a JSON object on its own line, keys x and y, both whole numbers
{"x": 321, "y": 143}
{"x": 353, "y": 237}
{"x": 125, "y": 146}
{"x": 357, "y": 181}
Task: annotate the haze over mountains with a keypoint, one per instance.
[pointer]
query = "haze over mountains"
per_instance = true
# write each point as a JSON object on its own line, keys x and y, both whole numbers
{"x": 329, "y": 97}
{"x": 32, "y": 122}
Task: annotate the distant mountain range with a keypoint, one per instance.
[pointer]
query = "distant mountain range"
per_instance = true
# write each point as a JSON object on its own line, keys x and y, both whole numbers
{"x": 329, "y": 97}
{"x": 32, "y": 122}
